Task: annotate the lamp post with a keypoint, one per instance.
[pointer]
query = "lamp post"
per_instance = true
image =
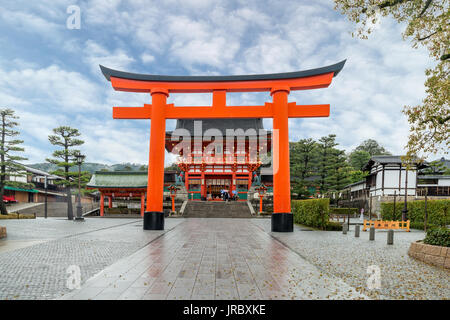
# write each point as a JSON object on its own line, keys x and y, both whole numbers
{"x": 173, "y": 191}
{"x": 261, "y": 190}
{"x": 45, "y": 205}
{"x": 79, "y": 160}
{"x": 405, "y": 206}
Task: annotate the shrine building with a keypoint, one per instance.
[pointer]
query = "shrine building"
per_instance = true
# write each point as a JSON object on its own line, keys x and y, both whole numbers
{"x": 219, "y": 154}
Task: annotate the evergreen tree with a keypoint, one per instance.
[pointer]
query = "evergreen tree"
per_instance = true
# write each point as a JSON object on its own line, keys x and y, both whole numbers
{"x": 357, "y": 175}
{"x": 9, "y": 145}
{"x": 65, "y": 137}
{"x": 436, "y": 167}
{"x": 302, "y": 156}
{"x": 338, "y": 175}
{"x": 372, "y": 147}
{"x": 358, "y": 159}
{"x": 325, "y": 148}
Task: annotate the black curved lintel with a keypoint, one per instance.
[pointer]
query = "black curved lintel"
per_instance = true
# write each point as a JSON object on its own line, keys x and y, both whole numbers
{"x": 335, "y": 68}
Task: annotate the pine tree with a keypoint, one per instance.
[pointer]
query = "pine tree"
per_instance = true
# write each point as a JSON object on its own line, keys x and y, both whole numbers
{"x": 372, "y": 147}
{"x": 325, "y": 148}
{"x": 65, "y": 137}
{"x": 302, "y": 156}
{"x": 338, "y": 170}
{"x": 8, "y": 145}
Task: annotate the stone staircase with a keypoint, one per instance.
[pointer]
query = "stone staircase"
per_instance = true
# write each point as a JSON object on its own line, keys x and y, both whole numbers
{"x": 217, "y": 209}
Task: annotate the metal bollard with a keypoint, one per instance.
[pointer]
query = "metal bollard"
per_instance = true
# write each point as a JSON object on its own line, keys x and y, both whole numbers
{"x": 372, "y": 233}
{"x": 344, "y": 228}
{"x": 390, "y": 237}
{"x": 357, "y": 231}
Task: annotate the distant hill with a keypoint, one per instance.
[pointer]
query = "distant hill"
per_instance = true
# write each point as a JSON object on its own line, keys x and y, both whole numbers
{"x": 92, "y": 167}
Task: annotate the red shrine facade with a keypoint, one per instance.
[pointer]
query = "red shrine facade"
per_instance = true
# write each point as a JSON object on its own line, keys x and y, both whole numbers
{"x": 219, "y": 154}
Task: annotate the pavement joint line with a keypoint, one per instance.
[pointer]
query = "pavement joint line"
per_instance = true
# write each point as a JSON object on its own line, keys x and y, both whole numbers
{"x": 105, "y": 228}
{"x": 73, "y": 293}
{"x": 306, "y": 259}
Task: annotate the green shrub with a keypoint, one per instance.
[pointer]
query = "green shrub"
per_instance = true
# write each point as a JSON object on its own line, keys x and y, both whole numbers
{"x": 343, "y": 211}
{"x": 333, "y": 226}
{"x": 438, "y": 237}
{"x": 421, "y": 225}
{"x": 438, "y": 211}
{"x": 312, "y": 212}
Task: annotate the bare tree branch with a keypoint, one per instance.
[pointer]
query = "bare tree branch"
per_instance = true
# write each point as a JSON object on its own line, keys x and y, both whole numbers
{"x": 427, "y": 4}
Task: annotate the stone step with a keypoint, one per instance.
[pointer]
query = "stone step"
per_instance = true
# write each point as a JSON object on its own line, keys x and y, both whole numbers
{"x": 213, "y": 209}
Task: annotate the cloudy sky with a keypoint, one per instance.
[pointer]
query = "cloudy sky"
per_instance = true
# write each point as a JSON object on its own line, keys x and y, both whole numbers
{"x": 49, "y": 74}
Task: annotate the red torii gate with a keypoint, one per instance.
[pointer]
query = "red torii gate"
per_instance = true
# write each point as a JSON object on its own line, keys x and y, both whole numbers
{"x": 279, "y": 85}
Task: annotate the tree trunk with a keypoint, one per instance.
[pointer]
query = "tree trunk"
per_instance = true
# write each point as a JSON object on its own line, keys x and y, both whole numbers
{"x": 3, "y": 170}
{"x": 69, "y": 204}
{"x": 3, "y": 209}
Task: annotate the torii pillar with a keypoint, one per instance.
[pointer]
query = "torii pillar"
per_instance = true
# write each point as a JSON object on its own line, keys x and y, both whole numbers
{"x": 279, "y": 85}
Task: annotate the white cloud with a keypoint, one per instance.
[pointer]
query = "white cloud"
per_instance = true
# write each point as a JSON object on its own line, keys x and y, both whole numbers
{"x": 95, "y": 54}
{"x": 382, "y": 74}
{"x": 51, "y": 88}
{"x": 147, "y": 58}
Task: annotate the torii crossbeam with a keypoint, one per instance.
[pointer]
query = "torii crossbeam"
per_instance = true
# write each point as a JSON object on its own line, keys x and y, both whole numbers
{"x": 279, "y": 85}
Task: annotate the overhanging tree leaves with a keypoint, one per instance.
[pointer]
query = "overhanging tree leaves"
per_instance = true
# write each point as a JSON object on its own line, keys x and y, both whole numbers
{"x": 8, "y": 146}
{"x": 66, "y": 138}
{"x": 428, "y": 25}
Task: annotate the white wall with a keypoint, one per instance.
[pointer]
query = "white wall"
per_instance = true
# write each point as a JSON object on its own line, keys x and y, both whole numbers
{"x": 391, "y": 182}
{"x": 444, "y": 182}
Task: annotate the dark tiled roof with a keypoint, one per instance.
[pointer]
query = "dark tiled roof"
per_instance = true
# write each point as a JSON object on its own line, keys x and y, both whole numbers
{"x": 335, "y": 68}
{"x": 387, "y": 159}
{"x": 221, "y": 124}
{"x": 433, "y": 176}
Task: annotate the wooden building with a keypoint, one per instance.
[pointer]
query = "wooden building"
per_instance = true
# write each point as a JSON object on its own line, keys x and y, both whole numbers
{"x": 217, "y": 154}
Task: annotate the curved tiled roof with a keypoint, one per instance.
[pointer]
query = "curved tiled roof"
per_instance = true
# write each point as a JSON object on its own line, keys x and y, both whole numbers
{"x": 335, "y": 68}
{"x": 118, "y": 179}
{"x": 222, "y": 125}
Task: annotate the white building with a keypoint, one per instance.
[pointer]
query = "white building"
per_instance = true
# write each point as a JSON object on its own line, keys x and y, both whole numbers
{"x": 387, "y": 176}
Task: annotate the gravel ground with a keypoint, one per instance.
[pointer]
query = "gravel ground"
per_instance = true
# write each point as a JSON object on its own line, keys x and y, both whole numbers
{"x": 347, "y": 257}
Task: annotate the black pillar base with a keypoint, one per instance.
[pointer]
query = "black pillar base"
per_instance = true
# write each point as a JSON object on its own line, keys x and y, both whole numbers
{"x": 282, "y": 222}
{"x": 153, "y": 220}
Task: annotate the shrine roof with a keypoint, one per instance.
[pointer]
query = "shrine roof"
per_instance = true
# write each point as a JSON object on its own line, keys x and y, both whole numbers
{"x": 124, "y": 179}
{"x": 118, "y": 179}
{"x": 390, "y": 159}
{"x": 222, "y": 125}
{"x": 334, "y": 68}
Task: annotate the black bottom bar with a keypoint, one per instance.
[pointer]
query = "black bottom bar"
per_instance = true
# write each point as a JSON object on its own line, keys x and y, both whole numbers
{"x": 153, "y": 220}
{"x": 282, "y": 222}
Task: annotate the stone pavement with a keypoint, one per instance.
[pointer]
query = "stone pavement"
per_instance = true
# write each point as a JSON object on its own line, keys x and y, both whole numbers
{"x": 207, "y": 259}
{"x": 214, "y": 259}
{"x": 37, "y": 252}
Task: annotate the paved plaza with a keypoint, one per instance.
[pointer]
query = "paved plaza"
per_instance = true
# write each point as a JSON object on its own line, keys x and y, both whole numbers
{"x": 207, "y": 259}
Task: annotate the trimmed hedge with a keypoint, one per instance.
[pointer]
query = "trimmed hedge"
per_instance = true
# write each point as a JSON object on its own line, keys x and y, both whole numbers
{"x": 311, "y": 212}
{"x": 438, "y": 237}
{"x": 343, "y": 211}
{"x": 438, "y": 212}
{"x": 333, "y": 226}
{"x": 16, "y": 216}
